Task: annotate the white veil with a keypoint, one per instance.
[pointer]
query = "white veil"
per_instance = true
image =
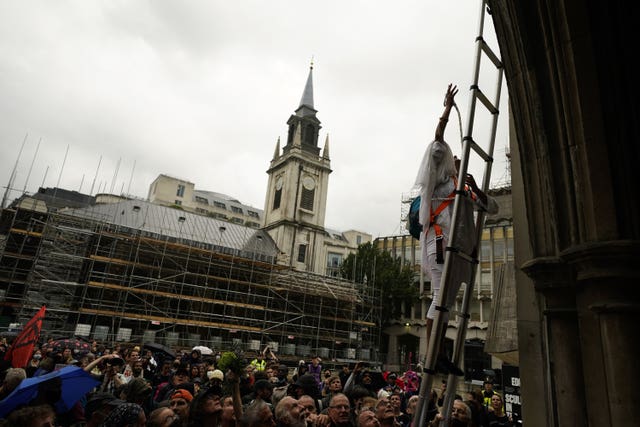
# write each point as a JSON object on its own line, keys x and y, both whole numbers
{"x": 430, "y": 175}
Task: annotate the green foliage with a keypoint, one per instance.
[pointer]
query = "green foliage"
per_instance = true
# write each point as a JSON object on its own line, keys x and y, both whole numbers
{"x": 394, "y": 280}
{"x": 231, "y": 361}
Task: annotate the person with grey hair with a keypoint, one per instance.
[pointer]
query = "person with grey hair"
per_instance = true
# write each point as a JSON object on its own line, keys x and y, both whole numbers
{"x": 460, "y": 416}
{"x": 339, "y": 411}
{"x": 257, "y": 414}
{"x": 290, "y": 413}
{"x": 12, "y": 379}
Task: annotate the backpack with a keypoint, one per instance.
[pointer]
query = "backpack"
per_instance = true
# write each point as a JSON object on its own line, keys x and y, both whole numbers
{"x": 413, "y": 219}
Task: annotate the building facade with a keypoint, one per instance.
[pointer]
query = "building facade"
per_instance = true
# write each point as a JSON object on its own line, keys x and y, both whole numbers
{"x": 170, "y": 191}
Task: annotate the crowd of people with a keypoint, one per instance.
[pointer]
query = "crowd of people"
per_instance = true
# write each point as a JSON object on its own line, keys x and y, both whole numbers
{"x": 140, "y": 387}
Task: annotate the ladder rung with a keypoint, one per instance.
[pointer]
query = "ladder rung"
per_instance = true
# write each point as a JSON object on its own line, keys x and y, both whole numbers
{"x": 486, "y": 157}
{"x": 485, "y": 101}
{"x": 462, "y": 255}
{"x": 492, "y": 56}
{"x": 458, "y": 313}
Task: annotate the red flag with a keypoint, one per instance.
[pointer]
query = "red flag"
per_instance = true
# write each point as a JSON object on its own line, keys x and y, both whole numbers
{"x": 22, "y": 347}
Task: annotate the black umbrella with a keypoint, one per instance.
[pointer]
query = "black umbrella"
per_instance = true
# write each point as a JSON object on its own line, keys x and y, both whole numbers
{"x": 160, "y": 351}
{"x": 77, "y": 345}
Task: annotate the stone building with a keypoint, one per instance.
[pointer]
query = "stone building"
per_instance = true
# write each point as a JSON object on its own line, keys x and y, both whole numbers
{"x": 575, "y": 152}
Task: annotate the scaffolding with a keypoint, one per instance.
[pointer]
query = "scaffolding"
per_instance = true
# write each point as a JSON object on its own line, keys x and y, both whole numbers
{"x": 138, "y": 272}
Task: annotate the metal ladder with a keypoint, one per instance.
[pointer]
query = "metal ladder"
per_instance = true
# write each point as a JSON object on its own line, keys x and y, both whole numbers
{"x": 468, "y": 144}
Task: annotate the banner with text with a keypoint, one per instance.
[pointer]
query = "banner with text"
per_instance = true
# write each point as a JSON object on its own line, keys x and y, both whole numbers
{"x": 511, "y": 390}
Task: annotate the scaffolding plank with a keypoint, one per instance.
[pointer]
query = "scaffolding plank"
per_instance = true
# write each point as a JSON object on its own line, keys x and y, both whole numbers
{"x": 172, "y": 295}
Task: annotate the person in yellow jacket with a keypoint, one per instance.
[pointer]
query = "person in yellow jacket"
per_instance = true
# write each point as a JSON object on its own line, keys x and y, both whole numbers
{"x": 488, "y": 393}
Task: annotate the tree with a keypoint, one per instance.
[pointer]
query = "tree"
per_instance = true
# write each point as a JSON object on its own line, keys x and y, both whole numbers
{"x": 388, "y": 275}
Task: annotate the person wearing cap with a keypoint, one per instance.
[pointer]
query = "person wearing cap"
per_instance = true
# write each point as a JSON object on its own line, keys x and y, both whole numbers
{"x": 306, "y": 384}
{"x": 391, "y": 386}
{"x": 110, "y": 378}
{"x": 487, "y": 392}
{"x": 206, "y": 408}
{"x": 179, "y": 402}
{"x": 216, "y": 377}
{"x": 139, "y": 391}
{"x": 98, "y": 406}
{"x": 300, "y": 370}
{"x": 280, "y": 383}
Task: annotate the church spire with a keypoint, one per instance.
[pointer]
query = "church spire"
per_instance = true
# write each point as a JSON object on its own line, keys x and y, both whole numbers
{"x": 304, "y": 126}
{"x": 276, "y": 153}
{"x": 325, "y": 151}
{"x": 307, "y": 95}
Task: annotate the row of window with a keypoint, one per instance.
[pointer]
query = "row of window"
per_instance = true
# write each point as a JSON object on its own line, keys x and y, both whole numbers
{"x": 497, "y": 241}
{"x": 221, "y": 205}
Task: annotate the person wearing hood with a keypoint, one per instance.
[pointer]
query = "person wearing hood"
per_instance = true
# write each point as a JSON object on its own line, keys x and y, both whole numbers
{"x": 437, "y": 183}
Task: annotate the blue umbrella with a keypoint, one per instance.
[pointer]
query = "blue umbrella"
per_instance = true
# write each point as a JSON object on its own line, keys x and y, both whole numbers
{"x": 61, "y": 388}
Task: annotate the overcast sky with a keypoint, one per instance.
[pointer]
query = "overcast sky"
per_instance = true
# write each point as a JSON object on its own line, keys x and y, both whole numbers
{"x": 202, "y": 90}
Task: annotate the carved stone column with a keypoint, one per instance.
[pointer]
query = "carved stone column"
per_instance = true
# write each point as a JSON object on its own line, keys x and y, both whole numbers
{"x": 608, "y": 306}
{"x": 554, "y": 283}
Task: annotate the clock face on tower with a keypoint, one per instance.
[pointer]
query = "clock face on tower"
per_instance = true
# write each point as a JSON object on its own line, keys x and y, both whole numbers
{"x": 308, "y": 183}
{"x": 279, "y": 183}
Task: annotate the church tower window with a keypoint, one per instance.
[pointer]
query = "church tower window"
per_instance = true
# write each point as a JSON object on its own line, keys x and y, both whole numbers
{"x": 308, "y": 193}
{"x": 277, "y": 195}
{"x": 276, "y": 199}
{"x": 306, "y": 199}
{"x": 302, "y": 253}
{"x": 309, "y": 135}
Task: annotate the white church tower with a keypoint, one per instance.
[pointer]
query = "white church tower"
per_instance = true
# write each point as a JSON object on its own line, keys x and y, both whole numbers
{"x": 296, "y": 200}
